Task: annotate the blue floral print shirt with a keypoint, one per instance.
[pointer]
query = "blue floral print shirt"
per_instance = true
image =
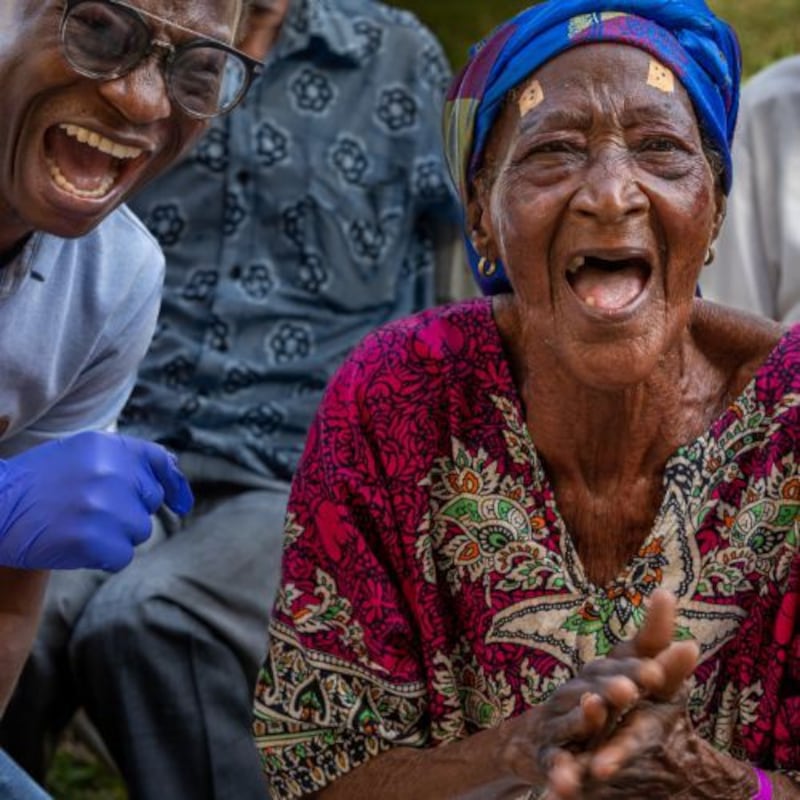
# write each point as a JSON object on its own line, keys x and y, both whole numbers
{"x": 299, "y": 223}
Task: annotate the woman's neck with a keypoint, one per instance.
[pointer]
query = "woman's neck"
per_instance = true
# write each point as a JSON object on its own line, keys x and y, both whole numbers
{"x": 599, "y": 434}
{"x": 604, "y": 450}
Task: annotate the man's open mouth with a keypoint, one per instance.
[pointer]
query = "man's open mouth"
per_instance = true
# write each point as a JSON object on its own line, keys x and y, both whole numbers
{"x": 85, "y": 163}
{"x": 608, "y": 283}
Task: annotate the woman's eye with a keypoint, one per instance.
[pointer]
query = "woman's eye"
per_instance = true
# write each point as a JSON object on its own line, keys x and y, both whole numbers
{"x": 553, "y": 147}
{"x": 659, "y": 145}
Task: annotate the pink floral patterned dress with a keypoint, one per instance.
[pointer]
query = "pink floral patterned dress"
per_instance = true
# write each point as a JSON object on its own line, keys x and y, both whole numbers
{"x": 430, "y": 588}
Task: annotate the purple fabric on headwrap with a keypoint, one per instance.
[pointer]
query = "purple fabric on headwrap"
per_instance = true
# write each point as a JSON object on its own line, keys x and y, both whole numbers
{"x": 685, "y": 35}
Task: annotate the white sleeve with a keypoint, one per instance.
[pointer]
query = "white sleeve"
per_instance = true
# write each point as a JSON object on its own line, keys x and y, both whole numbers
{"x": 757, "y": 264}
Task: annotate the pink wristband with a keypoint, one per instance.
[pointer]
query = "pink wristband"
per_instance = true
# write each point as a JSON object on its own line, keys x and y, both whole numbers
{"x": 764, "y": 786}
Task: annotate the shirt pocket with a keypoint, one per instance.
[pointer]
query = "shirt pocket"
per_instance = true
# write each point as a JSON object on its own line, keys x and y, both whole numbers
{"x": 353, "y": 228}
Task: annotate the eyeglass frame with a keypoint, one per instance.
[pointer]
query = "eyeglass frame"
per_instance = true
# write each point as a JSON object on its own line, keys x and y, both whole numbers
{"x": 253, "y": 66}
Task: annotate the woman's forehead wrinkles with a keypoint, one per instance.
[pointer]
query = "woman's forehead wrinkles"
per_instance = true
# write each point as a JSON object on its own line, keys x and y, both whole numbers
{"x": 578, "y": 100}
{"x": 641, "y": 114}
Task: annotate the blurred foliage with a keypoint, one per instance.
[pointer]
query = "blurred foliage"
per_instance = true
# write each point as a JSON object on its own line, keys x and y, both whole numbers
{"x": 77, "y": 774}
{"x": 768, "y": 29}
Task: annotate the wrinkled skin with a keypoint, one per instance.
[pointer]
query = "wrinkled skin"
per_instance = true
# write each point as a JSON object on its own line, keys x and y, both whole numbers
{"x": 651, "y": 750}
{"x": 41, "y": 92}
{"x": 608, "y": 167}
{"x": 605, "y": 163}
{"x": 641, "y": 679}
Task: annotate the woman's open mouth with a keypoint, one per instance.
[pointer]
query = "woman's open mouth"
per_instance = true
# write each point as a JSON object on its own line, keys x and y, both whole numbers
{"x": 83, "y": 162}
{"x": 608, "y": 283}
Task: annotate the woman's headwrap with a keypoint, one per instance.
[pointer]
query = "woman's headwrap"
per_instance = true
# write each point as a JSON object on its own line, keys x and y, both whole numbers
{"x": 684, "y": 35}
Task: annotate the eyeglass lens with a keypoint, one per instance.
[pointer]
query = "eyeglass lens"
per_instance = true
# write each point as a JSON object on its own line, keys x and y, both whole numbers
{"x": 103, "y": 40}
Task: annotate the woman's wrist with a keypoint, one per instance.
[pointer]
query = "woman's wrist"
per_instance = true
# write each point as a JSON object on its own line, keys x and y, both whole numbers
{"x": 764, "y": 790}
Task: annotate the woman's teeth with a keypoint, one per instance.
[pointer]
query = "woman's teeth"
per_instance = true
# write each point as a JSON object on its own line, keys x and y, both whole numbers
{"x": 576, "y": 264}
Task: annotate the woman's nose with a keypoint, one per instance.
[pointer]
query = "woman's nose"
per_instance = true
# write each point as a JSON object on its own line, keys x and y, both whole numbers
{"x": 609, "y": 190}
{"x": 141, "y": 95}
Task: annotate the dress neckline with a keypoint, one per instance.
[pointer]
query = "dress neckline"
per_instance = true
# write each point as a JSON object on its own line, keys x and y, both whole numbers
{"x": 688, "y": 460}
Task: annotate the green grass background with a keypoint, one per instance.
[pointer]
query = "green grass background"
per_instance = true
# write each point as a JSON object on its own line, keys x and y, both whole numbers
{"x": 768, "y": 30}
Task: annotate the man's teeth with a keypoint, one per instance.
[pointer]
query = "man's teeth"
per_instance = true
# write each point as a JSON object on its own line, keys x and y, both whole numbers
{"x": 576, "y": 264}
{"x": 99, "y": 142}
{"x": 100, "y": 191}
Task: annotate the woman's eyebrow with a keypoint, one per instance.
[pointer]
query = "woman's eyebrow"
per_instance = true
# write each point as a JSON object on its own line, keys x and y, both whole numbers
{"x": 556, "y": 119}
{"x": 651, "y": 112}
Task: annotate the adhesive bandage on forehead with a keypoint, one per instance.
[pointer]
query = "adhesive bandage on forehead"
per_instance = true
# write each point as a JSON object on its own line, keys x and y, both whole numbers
{"x": 530, "y": 97}
{"x": 660, "y": 77}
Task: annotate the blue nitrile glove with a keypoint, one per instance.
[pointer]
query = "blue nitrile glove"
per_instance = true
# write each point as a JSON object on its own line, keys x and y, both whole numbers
{"x": 85, "y": 501}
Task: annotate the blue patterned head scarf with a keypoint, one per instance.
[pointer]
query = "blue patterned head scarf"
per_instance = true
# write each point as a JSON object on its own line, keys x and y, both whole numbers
{"x": 701, "y": 49}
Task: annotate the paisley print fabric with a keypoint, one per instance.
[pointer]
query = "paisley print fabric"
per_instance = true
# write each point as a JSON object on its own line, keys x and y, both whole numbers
{"x": 431, "y": 590}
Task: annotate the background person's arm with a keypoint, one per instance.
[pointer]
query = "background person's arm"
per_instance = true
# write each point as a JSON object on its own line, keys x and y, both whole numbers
{"x": 758, "y": 247}
{"x": 21, "y": 595}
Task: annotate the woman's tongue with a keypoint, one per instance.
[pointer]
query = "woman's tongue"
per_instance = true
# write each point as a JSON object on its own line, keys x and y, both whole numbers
{"x": 606, "y": 288}
{"x": 84, "y": 167}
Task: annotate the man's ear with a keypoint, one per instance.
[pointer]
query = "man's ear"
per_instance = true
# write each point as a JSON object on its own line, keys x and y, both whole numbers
{"x": 261, "y": 27}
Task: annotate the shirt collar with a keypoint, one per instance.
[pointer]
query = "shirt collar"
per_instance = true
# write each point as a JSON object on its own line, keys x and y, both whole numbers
{"x": 319, "y": 26}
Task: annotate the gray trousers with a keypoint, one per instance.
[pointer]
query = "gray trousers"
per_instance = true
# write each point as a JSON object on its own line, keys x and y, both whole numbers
{"x": 163, "y": 656}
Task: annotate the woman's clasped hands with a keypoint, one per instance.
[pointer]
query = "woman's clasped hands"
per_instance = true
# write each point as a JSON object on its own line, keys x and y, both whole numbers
{"x": 619, "y": 729}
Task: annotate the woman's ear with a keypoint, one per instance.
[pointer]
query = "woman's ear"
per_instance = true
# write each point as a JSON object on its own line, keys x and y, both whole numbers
{"x": 719, "y": 217}
{"x": 479, "y": 221}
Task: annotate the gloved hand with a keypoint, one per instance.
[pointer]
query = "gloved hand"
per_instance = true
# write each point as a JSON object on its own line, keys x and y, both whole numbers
{"x": 85, "y": 501}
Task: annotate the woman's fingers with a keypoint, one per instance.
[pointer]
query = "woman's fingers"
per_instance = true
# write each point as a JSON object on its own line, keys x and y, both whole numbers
{"x": 567, "y": 727}
{"x": 584, "y": 709}
{"x": 656, "y": 633}
{"x": 644, "y": 727}
{"x": 678, "y": 662}
{"x": 611, "y": 677}
{"x": 618, "y": 705}
{"x": 564, "y": 778}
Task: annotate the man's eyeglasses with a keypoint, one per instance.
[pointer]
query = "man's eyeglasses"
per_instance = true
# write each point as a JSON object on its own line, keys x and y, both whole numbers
{"x": 106, "y": 39}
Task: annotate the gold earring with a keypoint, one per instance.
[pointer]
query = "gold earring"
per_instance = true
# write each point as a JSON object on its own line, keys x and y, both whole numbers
{"x": 486, "y": 268}
{"x": 709, "y": 255}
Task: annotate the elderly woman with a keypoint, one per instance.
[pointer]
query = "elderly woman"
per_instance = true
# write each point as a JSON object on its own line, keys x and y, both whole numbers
{"x": 496, "y": 492}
